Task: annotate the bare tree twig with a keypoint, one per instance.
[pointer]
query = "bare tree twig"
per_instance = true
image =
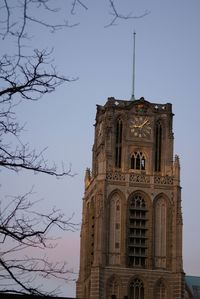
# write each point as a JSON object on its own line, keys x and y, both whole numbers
{"x": 26, "y": 228}
{"x": 116, "y": 15}
{"x": 75, "y": 3}
{"x": 27, "y": 76}
{"x": 22, "y": 226}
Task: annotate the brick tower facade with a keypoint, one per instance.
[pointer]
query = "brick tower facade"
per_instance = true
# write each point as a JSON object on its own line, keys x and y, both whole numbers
{"x": 131, "y": 234}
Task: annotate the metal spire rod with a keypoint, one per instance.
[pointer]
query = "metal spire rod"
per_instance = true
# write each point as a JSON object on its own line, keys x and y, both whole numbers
{"x": 133, "y": 82}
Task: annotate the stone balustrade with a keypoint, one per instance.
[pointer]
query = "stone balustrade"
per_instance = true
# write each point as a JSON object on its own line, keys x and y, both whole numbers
{"x": 136, "y": 178}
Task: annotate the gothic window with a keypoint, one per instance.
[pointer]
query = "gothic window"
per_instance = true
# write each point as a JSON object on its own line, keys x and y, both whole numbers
{"x": 114, "y": 229}
{"x": 118, "y": 144}
{"x": 160, "y": 233}
{"x": 136, "y": 289}
{"x": 113, "y": 289}
{"x": 158, "y": 146}
{"x": 138, "y": 161}
{"x": 137, "y": 232}
{"x": 160, "y": 291}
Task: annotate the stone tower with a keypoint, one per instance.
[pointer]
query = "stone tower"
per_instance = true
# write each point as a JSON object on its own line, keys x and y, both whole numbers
{"x": 131, "y": 234}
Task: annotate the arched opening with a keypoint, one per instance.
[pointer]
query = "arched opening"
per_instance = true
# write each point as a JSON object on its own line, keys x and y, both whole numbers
{"x": 138, "y": 161}
{"x": 158, "y": 146}
{"x": 113, "y": 288}
{"x": 137, "y": 232}
{"x": 115, "y": 229}
{"x": 160, "y": 232}
{"x": 160, "y": 290}
{"x": 136, "y": 289}
{"x": 118, "y": 143}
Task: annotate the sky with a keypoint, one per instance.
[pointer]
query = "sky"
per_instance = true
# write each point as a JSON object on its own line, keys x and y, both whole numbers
{"x": 100, "y": 58}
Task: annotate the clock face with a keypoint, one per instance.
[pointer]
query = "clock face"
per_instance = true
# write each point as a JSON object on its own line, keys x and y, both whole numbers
{"x": 140, "y": 126}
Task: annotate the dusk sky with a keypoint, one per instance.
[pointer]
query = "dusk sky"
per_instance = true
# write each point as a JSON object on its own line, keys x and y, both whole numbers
{"x": 167, "y": 71}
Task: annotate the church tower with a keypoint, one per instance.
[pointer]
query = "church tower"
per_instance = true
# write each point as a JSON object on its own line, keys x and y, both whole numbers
{"x": 131, "y": 234}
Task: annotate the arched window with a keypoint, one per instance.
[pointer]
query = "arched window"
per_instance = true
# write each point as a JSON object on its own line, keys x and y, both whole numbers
{"x": 158, "y": 146}
{"x": 137, "y": 232}
{"x": 160, "y": 291}
{"x": 160, "y": 233}
{"x": 138, "y": 161}
{"x": 118, "y": 144}
{"x": 115, "y": 229}
{"x": 136, "y": 289}
{"x": 113, "y": 289}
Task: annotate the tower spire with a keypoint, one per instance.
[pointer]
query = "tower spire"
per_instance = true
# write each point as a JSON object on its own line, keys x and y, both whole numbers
{"x": 133, "y": 78}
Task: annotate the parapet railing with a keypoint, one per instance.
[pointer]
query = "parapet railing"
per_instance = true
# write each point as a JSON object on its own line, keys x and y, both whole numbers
{"x": 114, "y": 176}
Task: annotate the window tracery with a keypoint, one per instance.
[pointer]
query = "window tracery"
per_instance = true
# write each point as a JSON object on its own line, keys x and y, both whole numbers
{"x": 136, "y": 289}
{"x": 138, "y": 161}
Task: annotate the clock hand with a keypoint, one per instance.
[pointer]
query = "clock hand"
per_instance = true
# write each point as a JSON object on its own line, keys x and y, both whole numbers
{"x": 140, "y": 126}
{"x": 144, "y": 123}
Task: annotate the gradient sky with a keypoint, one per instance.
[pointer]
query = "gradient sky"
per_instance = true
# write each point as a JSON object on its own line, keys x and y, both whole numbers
{"x": 167, "y": 70}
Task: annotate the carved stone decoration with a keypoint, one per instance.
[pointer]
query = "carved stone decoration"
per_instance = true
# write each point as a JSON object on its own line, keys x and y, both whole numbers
{"x": 163, "y": 180}
{"x": 139, "y": 178}
{"x": 115, "y": 176}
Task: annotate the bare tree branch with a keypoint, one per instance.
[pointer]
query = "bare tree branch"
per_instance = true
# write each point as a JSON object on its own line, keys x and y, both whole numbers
{"x": 24, "y": 228}
{"x": 27, "y": 75}
{"x": 75, "y": 3}
{"x": 17, "y": 28}
{"x": 116, "y": 15}
{"x": 32, "y": 80}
